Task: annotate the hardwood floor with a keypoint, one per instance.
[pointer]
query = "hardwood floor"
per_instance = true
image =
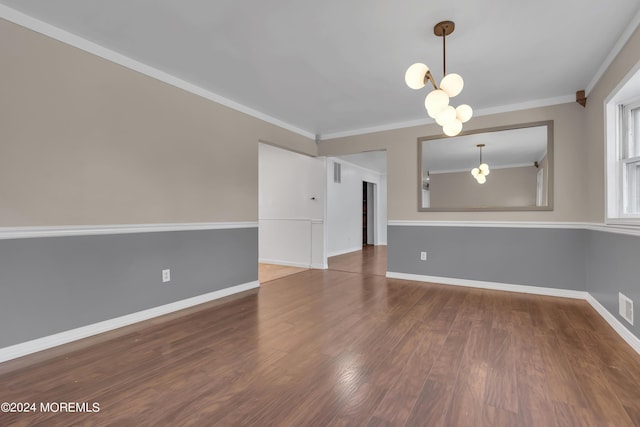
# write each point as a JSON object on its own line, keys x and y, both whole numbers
{"x": 370, "y": 260}
{"x": 269, "y": 272}
{"x": 337, "y": 348}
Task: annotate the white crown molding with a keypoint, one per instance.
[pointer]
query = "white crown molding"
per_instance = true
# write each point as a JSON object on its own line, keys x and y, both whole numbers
{"x": 81, "y": 43}
{"x": 613, "y": 53}
{"x": 95, "y": 230}
{"x": 536, "y": 103}
{"x": 88, "y": 46}
{"x": 477, "y": 113}
{"x": 374, "y": 129}
{"x": 537, "y": 290}
{"x": 33, "y": 346}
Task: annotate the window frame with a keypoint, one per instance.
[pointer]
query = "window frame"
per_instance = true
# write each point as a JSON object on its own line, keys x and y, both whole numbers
{"x": 618, "y": 113}
{"x": 625, "y": 159}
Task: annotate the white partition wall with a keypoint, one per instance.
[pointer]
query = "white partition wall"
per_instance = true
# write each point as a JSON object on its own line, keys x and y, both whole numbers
{"x": 344, "y": 207}
{"x": 291, "y": 208}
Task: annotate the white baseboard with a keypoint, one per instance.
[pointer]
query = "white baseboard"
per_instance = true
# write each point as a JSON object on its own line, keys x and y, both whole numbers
{"x": 618, "y": 326}
{"x": 282, "y": 262}
{"x": 565, "y": 293}
{"x": 345, "y": 251}
{"x": 33, "y": 346}
{"x": 322, "y": 266}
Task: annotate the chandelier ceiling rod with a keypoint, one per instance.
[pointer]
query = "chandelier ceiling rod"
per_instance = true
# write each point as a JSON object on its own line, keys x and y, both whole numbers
{"x": 444, "y": 55}
{"x": 437, "y": 102}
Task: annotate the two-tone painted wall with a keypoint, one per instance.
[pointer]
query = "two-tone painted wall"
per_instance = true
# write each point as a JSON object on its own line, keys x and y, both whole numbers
{"x": 107, "y": 177}
{"x": 568, "y": 251}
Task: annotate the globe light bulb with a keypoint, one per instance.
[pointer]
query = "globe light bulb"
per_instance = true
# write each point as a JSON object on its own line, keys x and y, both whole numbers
{"x": 446, "y": 116}
{"x": 452, "y": 128}
{"x": 452, "y": 84}
{"x": 435, "y": 102}
{"x": 475, "y": 172}
{"x": 481, "y": 179}
{"x": 414, "y": 77}
{"x": 484, "y": 167}
{"x": 464, "y": 113}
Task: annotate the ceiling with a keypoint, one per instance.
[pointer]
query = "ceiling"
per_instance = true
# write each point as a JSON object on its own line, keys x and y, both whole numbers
{"x": 334, "y": 67}
{"x": 372, "y": 160}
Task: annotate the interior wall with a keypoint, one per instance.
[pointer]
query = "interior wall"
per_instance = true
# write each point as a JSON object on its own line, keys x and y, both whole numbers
{"x": 86, "y": 141}
{"x": 542, "y": 257}
{"x": 344, "y": 207}
{"x": 55, "y": 284}
{"x": 371, "y": 208}
{"x": 402, "y": 165}
{"x": 612, "y": 265}
{"x": 291, "y": 208}
{"x": 594, "y": 142}
{"x": 381, "y": 222}
{"x": 579, "y": 196}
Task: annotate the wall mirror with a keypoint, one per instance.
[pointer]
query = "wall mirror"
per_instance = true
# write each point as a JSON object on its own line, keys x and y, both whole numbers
{"x": 516, "y": 172}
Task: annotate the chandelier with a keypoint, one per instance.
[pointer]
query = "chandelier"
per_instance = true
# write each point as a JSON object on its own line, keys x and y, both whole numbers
{"x": 437, "y": 101}
{"x": 480, "y": 173}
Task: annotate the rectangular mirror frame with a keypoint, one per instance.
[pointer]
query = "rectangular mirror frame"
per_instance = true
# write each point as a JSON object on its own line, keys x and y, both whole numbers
{"x": 548, "y": 207}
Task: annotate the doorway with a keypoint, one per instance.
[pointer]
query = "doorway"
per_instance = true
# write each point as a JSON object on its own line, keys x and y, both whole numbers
{"x": 291, "y": 214}
{"x": 368, "y": 213}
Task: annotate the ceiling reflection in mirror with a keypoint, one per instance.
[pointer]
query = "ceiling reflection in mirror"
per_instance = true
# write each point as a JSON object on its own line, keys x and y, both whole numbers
{"x": 515, "y": 173}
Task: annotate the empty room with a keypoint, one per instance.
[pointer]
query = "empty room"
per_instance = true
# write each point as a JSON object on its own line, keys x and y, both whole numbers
{"x": 283, "y": 213}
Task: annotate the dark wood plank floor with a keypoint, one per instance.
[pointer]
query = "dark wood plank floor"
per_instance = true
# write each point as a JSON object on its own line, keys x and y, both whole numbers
{"x": 370, "y": 260}
{"x": 337, "y": 348}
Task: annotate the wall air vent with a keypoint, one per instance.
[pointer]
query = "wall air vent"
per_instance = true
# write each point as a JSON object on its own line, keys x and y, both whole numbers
{"x": 337, "y": 172}
{"x": 626, "y": 308}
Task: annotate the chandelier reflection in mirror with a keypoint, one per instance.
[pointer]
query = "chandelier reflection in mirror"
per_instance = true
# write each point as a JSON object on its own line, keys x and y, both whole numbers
{"x": 437, "y": 101}
{"x": 480, "y": 173}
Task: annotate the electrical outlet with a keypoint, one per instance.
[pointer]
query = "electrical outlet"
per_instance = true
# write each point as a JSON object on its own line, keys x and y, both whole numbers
{"x": 166, "y": 276}
{"x": 625, "y": 307}
{"x": 423, "y": 256}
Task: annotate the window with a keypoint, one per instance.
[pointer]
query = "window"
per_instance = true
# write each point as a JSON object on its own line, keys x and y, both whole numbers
{"x": 629, "y": 163}
{"x": 622, "y": 110}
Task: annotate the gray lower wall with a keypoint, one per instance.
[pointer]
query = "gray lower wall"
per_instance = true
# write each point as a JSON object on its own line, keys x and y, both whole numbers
{"x": 544, "y": 257}
{"x": 613, "y": 265}
{"x": 53, "y": 284}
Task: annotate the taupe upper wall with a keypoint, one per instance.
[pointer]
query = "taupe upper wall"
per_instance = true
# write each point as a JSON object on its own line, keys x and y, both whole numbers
{"x": 595, "y": 143}
{"x": 514, "y": 187}
{"x": 402, "y": 164}
{"x": 86, "y": 141}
